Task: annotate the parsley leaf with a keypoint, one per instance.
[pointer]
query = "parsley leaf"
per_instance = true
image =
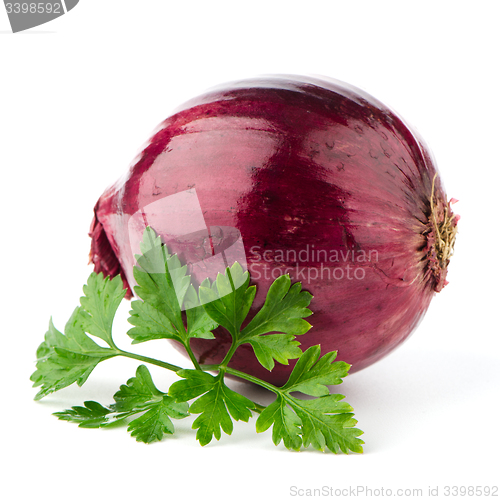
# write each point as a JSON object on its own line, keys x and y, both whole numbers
{"x": 279, "y": 347}
{"x": 161, "y": 280}
{"x": 228, "y": 302}
{"x": 138, "y": 391}
{"x": 216, "y": 406}
{"x": 63, "y": 359}
{"x": 229, "y": 299}
{"x": 324, "y": 422}
{"x": 311, "y": 375}
{"x": 283, "y": 311}
{"x": 165, "y": 289}
{"x": 152, "y": 409}
{"x": 286, "y": 424}
{"x": 149, "y": 324}
{"x": 199, "y": 323}
{"x": 152, "y": 425}
{"x": 100, "y": 302}
{"x": 91, "y": 415}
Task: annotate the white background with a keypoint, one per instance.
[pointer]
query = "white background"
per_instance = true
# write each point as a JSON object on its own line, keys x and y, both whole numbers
{"x": 78, "y": 98}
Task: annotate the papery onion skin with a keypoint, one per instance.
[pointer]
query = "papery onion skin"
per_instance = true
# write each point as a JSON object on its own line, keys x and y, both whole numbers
{"x": 300, "y": 163}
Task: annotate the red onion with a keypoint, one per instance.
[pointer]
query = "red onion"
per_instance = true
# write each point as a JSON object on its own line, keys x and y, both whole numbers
{"x": 322, "y": 181}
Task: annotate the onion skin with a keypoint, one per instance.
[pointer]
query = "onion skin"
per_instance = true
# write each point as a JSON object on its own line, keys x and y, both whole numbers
{"x": 294, "y": 164}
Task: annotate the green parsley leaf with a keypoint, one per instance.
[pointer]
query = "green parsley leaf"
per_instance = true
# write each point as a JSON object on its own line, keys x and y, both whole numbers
{"x": 149, "y": 324}
{"x": 161, "y": 280}
{"x": 100, "y": 302}
{"x": 137, "y": 392}
{"x": 228, "y": 302}
{"x": 327, "y": 424}
{"x": 324, "y": 422}
{"x": 283, "y": 311}
{"x": 216, "y": 406}
{"x": 229, "y": 299}
{"x": 63, "y": 359}
{"x": 311, "y": 375}
{"x": 286, "y": 424}
{"x": 279, "y": 347}
{"x": 166, "y": 290}
{"x": 139, "y": 398}
{"x": 195, "y": 383}
{"x": 91, "y": 415}
{"x": 199, "y": 323}
{"x": 139, "y": 395}
{"x": 152, "y": 425}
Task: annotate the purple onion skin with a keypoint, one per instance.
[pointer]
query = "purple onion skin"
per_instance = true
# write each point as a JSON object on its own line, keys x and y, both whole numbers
{"x": 296, "y": 163}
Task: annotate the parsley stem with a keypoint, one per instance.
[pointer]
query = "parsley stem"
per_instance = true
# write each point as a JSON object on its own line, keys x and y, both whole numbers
{"x": 146, "y": 359}
{"x": 229, "y": 354}
{"x": 258, "y": 408}
{"x": 191, "y": 355}
{"x": 246, "y": 376}
{"x": 253, "y": 379}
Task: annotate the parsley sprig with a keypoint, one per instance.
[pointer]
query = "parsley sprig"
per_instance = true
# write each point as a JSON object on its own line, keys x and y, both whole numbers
{"x": 170, "y": 307}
